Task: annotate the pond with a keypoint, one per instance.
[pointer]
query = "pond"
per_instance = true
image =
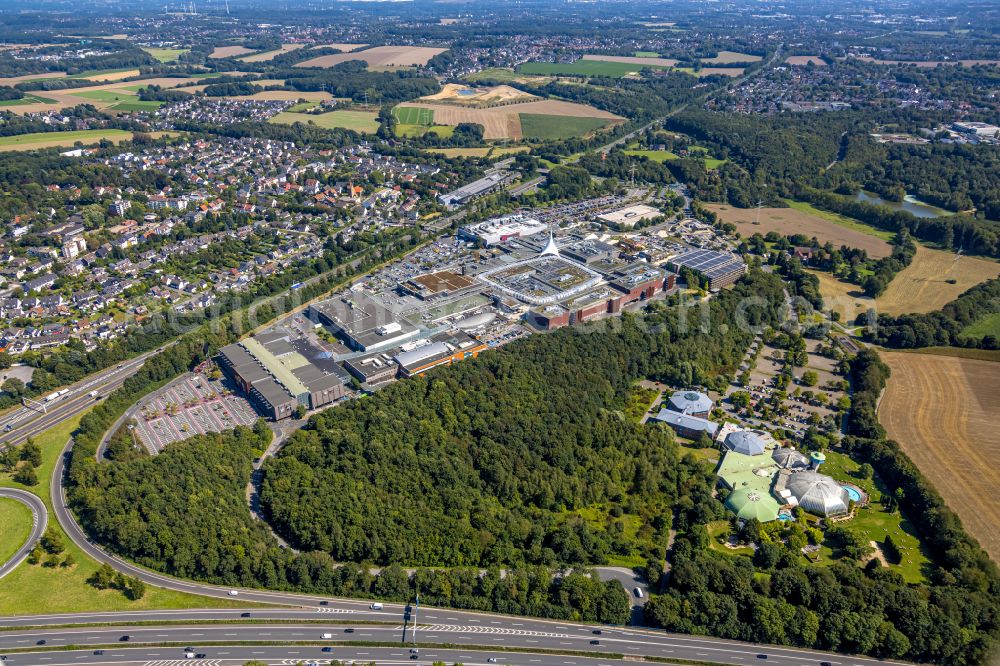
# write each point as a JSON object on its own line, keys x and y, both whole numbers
{"x": 909, "y": 203}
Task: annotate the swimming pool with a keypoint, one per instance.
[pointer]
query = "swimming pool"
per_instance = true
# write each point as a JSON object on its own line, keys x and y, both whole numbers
{"x": 853, "y": 493}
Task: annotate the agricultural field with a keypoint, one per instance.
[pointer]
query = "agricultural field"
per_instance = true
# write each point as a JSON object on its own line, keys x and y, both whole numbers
{"x": 844, "y": 297}
{"x": 942, "y": 411}
{"x": 14, "y": 80}
{"x": 654, "y": 61}
{"x": 712, "y": 71}
{"x": 932, "y": 279}
{"x": 365, "y": 122}
{"x": 119, "y": 95}
{"x": 478, "y": 152}
{"x": 836, "y": 229}
{"x": 646, "y": 54}
{"x": 581, "y": 68}
{"x": 379, "y": 56}
{"x": 230, "y": 51}
{"x": 165, "y": 55}
{"x": 452, "y": 93}
{"x": 660, "y": 156}
{"x": 505, "y": 122}
{"x": 506, "y": 75}
{"x": 930, "y": 64}
{"x": 537, "y": 126}
{"x": 413, "y": 131}
{"x": 61, "y": 139}
{"x": 264, "y": 56}
{"x": 803, "y": 60}
{"x": 726, "y": 57}
{"x": 343, "y": 48}
{"x": 27, "y": 99}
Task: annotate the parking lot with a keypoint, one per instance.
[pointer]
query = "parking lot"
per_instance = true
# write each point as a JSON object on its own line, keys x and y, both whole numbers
{"x": 193, "y": 405}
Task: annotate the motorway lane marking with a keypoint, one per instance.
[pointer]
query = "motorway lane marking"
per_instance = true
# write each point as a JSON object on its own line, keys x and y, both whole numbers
{"x": 505, "y": 631}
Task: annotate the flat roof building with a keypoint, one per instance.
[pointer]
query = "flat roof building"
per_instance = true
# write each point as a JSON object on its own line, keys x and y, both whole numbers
{"x": 500, "y": 229}
{"x": 363, "y": 324}
{"x": 626, "y": 218}
{"x": 476, "y": 188}
{"x": 720, "y": 268}
{"x": 441, "y": 349}
{"x": 279, "y": 374}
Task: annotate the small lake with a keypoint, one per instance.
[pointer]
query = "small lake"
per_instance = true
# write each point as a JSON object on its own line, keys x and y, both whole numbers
{"x": 909, "y": 203}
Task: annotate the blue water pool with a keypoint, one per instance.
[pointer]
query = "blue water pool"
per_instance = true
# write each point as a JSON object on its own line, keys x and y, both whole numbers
{"x": 784, "y": 517}
{"x": 853, "y": 493}
{"x": 466, "y": 92}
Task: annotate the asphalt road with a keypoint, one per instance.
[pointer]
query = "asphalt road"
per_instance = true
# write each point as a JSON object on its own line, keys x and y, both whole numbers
{"x": 39, "y": 521}
{"x": 503, "y": 636}
{"x": 26, "y": 422}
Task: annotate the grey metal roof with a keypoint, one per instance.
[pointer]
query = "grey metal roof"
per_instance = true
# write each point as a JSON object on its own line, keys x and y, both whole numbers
{"x": 745, "y": 442}
{"x": 690, "y": 402}
{"x": 818, "y": 493}
{"x": 695, "y": 423}
{"x": 790, "y": 459}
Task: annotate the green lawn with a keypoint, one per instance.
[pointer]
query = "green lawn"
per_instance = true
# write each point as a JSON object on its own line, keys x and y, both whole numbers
{"x": 27, "y": 99}
{"x": 708, "y": 455}
{"x": 841, "y": 220}
{"x": 654, "y": 155}
{"x": 718, "y": 532}
{"x": 137, "y": 105}
{"x": 105, "y": 95}
{"x": 66, "y": 138}
{"x": 15, "y": 527}
{"x": 300, "y": 107}
{"x": 538, "y": 126}
{"x": 583, "y": 68}
{"x": 443, "y": 131}
{"x": 165, "y": 55}
{"x": 987, "y": 326}
{"x": 713, "y": 163}
{"x": 35, "y": 589}
{"x": 359, "y": 121}
{"x": 411, "y": 115}
{"x": 873, "y": 522}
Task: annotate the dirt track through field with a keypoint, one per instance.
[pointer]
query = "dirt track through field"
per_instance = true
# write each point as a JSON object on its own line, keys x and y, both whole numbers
{"x": 504, "y": 122}
{"x": 942, "y": 411}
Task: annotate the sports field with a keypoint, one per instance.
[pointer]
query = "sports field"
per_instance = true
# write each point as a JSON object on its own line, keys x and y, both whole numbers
{"x": 360, "y": 121}
{"x": 61, "y": 139}
{"x": 804, "y": 219}
{"x": 934, "y": 278}
{"x": 942, "y": 410}
{"x": 411, "y": 115}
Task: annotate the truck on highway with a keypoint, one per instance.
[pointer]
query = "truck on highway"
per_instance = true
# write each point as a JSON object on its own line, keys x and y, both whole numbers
{"x": 55, "y": 396}
{"x": 94, "y": 394}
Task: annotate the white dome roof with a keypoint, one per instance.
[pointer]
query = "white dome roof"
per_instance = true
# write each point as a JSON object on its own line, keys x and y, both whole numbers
{"x": 818, "y": 493}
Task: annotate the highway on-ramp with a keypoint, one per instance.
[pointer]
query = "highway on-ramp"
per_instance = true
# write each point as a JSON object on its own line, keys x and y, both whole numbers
{"x": 39, "y": 521}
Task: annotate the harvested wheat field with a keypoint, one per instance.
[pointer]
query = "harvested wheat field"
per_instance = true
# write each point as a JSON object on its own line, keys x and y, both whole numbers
{"x": 271, "y": 55}
{"x": 630, "y": 60}
{"x": 379, "y": 56}
{"x": 344, "y": 48}
{"x": 726, "y": 57}
{"x": 453, "y": 93}
{"x": 788, "y": 221}
{"x": 923, "y": 285}
{"x": 802, "y": 61}
{"x": 229, "y": 52}
{"x": 942, "y": 410}
{"x": 844, "y": 297}
{"x": 14, "y": 80}
{"x": 503, "y": 122}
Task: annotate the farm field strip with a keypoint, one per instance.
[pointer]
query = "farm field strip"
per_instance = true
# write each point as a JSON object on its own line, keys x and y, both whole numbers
{"x": 61, "y": 139}
{"x": 941, "y": 409}
{"x": 934, "y": 278}
{"x": 379, "y": 56}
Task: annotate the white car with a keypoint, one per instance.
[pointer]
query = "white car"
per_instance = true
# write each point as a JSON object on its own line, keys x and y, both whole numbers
{"x": 234, "y": 593}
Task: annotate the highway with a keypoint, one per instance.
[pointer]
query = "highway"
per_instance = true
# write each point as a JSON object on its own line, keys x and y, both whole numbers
{"x": 490, "y": 637}
{"x": 20, "y": 424}
{"x": 39, "y": 521}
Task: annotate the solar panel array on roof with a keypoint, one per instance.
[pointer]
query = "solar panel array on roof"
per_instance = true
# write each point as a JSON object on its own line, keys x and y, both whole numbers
{"x": 721, "y": 268}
